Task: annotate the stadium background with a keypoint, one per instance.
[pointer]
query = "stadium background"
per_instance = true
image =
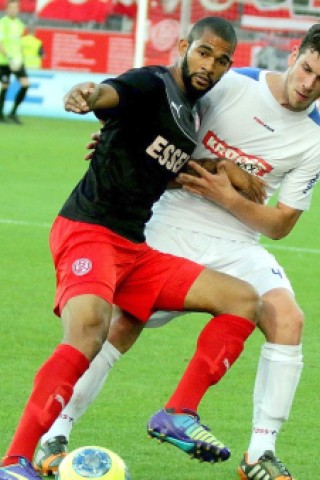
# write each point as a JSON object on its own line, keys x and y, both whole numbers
{"x": 100, "y": 35}
{"x": 39, "y": 164}
{"x": 107, "y": 37}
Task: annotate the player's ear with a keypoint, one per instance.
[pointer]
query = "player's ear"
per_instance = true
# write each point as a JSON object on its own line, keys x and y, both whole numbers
{"x": 293, "y": 55}
{"x": 183, "y": 46}
{"x": 229, "y": 66}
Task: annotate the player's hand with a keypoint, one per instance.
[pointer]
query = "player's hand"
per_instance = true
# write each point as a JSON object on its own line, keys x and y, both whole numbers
{"x": 208, "y": 163}
{"x": 95, "y": 138}
{"x": 249, "y": 185}
{"x": 81, "y": 98}
{"x": 215, "y": 187}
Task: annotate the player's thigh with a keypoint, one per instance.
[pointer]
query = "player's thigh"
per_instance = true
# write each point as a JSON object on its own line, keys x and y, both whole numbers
{"x": 282, "y": 319}
{"x": 218, "y": 293}
{"x": 158, "y": 281}
{"x": 89, "y": 259}
{"x": 249, "y": 262}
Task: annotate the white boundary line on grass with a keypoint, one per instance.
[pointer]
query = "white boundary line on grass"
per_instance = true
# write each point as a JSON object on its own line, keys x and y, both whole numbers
{"x": 292, "y": 249}
{"x": 267, "y": 245}
{"x": 24, "y": 223}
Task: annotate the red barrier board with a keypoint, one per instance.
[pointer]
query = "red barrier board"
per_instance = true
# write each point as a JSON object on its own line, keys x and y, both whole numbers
{"x": 85, "y": 51}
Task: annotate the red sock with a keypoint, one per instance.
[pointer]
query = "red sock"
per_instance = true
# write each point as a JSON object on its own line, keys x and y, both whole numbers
{"x": 52, "y": 390}
{"x": 219, "y": 345}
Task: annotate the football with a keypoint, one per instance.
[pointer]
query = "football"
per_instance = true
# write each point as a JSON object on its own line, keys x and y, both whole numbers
{"x": 92, "y": 462}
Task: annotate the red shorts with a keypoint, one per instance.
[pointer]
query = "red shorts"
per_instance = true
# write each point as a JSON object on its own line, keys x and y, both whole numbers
{"x": 91, "y": 259}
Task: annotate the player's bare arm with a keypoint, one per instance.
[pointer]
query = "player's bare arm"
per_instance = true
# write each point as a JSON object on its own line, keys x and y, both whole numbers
{"x": 248, "y": 185}
{"x": 89, "y": 96}
{"x": 273, "y": 222}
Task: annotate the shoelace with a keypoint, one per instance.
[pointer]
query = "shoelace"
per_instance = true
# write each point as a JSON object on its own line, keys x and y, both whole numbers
{"x": 197, "y": 431}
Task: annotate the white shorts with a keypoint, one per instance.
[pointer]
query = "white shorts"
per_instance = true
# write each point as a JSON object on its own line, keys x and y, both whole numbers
{"x": 249, "y": 262}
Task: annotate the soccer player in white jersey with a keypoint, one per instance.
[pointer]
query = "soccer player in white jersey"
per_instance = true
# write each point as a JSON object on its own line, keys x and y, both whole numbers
{"x": 268, "y": 124}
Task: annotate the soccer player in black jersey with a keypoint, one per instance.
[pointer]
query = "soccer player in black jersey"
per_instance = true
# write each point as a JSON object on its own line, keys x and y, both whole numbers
{"x": 98, "y": 244}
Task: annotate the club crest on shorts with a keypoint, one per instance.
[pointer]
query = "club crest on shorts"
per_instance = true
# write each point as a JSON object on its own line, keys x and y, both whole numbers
{"x": 81, "y": 266}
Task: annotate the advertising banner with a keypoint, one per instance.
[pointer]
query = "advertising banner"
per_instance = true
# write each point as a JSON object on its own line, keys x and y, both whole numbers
{"x": 87, "y": 51}
{"x": 46, "y": 92}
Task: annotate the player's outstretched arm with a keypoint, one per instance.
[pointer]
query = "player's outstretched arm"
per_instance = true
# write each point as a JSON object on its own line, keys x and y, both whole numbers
{"x": 88, "y": 96}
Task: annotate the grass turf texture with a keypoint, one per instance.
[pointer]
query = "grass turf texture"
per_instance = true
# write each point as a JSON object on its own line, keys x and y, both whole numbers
{"x": 40, "y": 164}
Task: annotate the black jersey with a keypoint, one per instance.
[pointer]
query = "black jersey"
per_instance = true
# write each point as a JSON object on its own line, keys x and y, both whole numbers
{"x": 145, "y": 142}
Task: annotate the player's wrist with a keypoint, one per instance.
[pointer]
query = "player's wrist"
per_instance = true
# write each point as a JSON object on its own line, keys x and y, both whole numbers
{"x": 232, "y": 201}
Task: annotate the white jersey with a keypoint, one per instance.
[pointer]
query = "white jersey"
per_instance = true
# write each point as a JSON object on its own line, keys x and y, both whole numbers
{"x": 247, "y": 125}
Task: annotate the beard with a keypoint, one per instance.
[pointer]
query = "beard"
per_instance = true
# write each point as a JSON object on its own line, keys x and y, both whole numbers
{"x": 193, "y": 93}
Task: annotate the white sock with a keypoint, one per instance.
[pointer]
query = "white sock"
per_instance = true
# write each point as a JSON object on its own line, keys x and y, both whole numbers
{"x": 85, "y": 392}
{"x": 278, "y": 375}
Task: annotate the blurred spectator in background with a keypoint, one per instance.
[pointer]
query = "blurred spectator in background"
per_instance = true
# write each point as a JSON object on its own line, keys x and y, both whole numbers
{"x": 32, "y": 48}
{"x": 270, "y": 58}
{"x": 11, "y": 59}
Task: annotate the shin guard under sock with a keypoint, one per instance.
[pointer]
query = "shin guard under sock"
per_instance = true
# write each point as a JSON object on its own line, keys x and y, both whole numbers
{"x": 219, "y": 345}
{"x": 85, "y": 391}
{"x": 52, "y": 390}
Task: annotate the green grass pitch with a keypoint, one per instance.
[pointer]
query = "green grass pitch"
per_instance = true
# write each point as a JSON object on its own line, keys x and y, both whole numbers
{"x": 40, "y": 163}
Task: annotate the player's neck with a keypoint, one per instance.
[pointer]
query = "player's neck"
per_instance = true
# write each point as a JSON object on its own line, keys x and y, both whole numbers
{"x": 176, "y": 73}
{"x": 276, "y": 83}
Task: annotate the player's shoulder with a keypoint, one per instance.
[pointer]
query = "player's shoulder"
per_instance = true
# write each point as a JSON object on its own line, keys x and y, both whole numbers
{"x": 149, "y": 71}
{"x": 137, "y": 85}
{"x": 240, "y": 78}
{"x": 145, "y": 78}
{"x": 252, "y": 73}
{"x": 234, "y": 81}
{"x": 314, "y": 116}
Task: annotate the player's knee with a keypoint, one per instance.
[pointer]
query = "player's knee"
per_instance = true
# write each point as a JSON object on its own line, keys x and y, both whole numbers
{"x": 244, "y": 301}
{"x": 86, "y": 328}
{"x": 293, "y": 321}
{"x": 283, "y": 327}
{"x": 252, "y": 304}
{"x": 95, "y": 328}
{"x": 298, "y": 320}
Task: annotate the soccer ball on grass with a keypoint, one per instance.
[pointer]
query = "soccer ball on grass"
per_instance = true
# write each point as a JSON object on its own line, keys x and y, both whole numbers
{"x": 92, "y": 462}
